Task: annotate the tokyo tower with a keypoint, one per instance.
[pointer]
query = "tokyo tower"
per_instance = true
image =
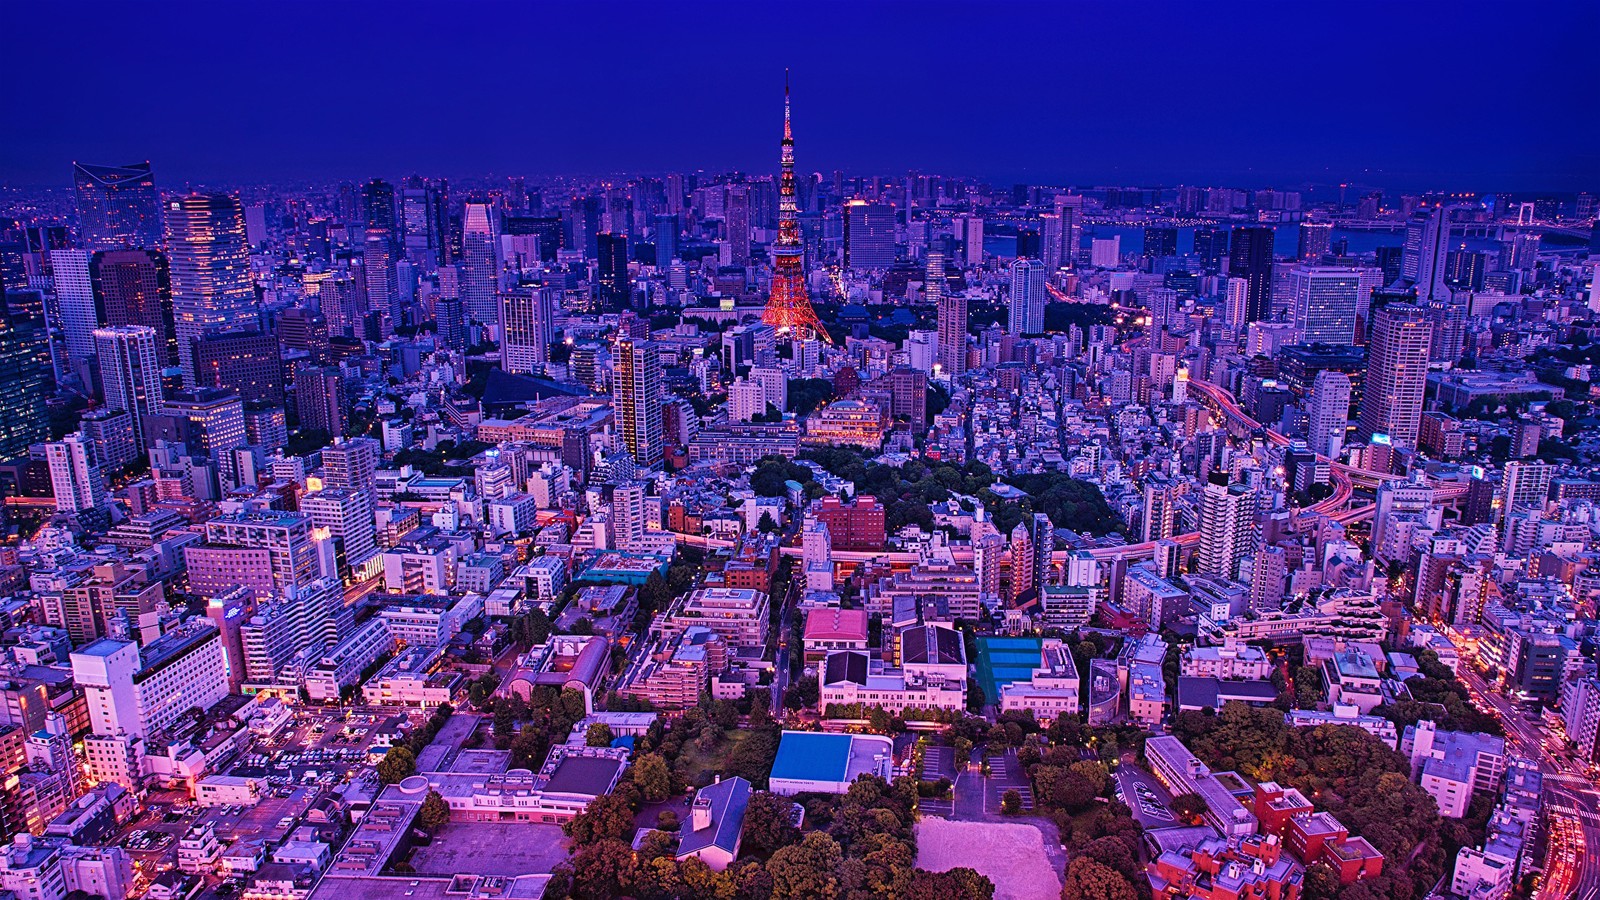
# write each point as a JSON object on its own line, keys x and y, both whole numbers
{"x": 788, "y": 310}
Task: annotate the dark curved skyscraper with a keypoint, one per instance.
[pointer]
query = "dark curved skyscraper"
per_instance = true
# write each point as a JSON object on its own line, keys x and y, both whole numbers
{"x": 118, "y": 206}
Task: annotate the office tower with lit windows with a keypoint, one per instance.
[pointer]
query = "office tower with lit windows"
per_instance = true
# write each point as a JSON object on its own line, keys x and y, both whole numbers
{"x": 1427, "y": 244}
{"x": 25, "y": 380}
{"x": 380, "y": 248}
{"x": 79, "y": 314}
{"x": 243, "y": 360}
{"x": 736, "y": 222}
{"x": 525, "y": 328}
{"x": 1326, "y": 302}
{"x": 951, "y": 353}
{"x": 1316, "y": 239}
{"x": 118, "y": 206}
{"x": 614, "y": 287}
{"x": 480, "y": 265}
{"x": 1250, "y": 258}
{"x": 306, "y": 331}
{"x": 215, "y": 418}
{"x": 636, "y": 394}
{"x": 450, "y": 321}
{"x": 209, "y": 264}
{"x": 351, "y": 463}
{"x": 348, "y": 515}
{"x": 1397, "y": 374}
{"x": 1211, "y": 247}
{"x": 132, "y": 287}
{"x": 130, "y": 373}
{"x": 1227, "y": 526}
{"x": 868, "y": 235}
{"x": 1052, "y": 242}
{"x": 1160, "y": 242}
{"x": 1026, "y": 310}
{"x": 1328, "y": 412}
{"x": 1235, "y": 303}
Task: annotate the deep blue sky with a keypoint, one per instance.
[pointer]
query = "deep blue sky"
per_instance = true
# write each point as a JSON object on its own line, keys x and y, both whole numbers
{"x": 1402, "y": 94}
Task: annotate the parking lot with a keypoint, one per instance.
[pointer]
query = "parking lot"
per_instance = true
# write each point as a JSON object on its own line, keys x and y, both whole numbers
{"x": 1005, "y": 774}
{"x": 938, "y": 762}
{"x": 1148, "y": 800}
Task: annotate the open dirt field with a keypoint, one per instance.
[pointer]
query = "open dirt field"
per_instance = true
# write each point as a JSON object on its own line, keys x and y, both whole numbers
{"x": 1012, "y": 855}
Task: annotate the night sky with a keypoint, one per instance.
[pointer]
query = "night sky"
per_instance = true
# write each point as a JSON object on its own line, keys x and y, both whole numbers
{"x": 1404, "y": 94}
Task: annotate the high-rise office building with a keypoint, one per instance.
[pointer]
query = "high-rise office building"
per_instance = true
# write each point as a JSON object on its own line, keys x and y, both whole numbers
{"x": 25, "y": 379}
{"x": 210, "y": 269}
{"x": 1160, "y": 242}
{"x": 868, "y": 235}
{"x": 352, "y": 464}
{"x": 1397, "y": 374}
{"x": 130, "y": 373}
{"x": 736, "y": 222}
{"x": 75, "y": 303}
{"x": 480, "y": 266}
{"x": 1427, "y": 244}
{"x": 380, "y": 248}
{"x": 1316, "y": 238}
{"x": 1053, "y": 243}
{"x": 319, "y": 398}
{"x": 1227, "y": 526}
{"x": 525, "y": 328}
{"x": 1329, "y": 412}
{"x": 118, "y": 206}
{"x": 242, "y": 360}
{"x": 1326, "y": 302}
{"x": 951, "y": 353}
{"x": 1026, "y": 311}
{"x": 75, "y": 479}
{"x": 1250, "y": 258}
{"x": 301, "y": 329}
{"x": 132, "y": 287}
{"x": 215, "y": 417}
{"x": 637, "y": 398}
{"x": 666, "y": 238}
{"x": 450, "y": 320}
{"x": 1211, "y": 247}
{"x": 908, "y": 397}
{"x": 614, "y": 287}
{"x": 348, "y": 515}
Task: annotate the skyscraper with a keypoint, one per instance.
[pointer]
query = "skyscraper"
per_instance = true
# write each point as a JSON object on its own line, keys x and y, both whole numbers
{"x": 788, "y": 308}
{"x": 25, "y": 381}
{"x": 614, "y": 287}
{"x": 868, "y": 235}
{"x": 1397, "y": 374}
{"x": 736, "y": 222}
{"x": 243, "y": 360}
{"x": 1211, "y": 247}
{"x": 216, "y": 418}
{"x": 1160, "y": 242}
{"x": 130, "y": 373}
{"x": 1329, "y": 412}
{"x": 951, "y": 353}
{"x": 1227, "y": 526}
{"x": 637, "y": 398}
{"x": 1315, "y": 240}
{"x": 480, "y": 268}
{"x": 1326, "y": 301}
{"x": 210, "y": 269}
{"x": 1027, "y": 297}
{"x": 450, "y": 319}
{"x": 75, "y": 303}
{"x": 118, "y": 206}
{"x": 525, "y": 328}
{"x": 132, "y": 287}
{"x": 1250, "y": 258}
{"x": 75, "y": 479}
{"x": 380, "y": 247}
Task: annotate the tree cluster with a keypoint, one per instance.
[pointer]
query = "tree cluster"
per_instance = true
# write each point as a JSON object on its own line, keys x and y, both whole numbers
{"x": 858, "y": 846}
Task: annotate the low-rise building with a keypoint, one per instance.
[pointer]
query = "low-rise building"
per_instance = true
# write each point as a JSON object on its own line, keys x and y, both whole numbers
{"x": 1052, "y": 691}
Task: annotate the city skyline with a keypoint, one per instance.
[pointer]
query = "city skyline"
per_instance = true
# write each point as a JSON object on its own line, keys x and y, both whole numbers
{"x": 360, "y": 90}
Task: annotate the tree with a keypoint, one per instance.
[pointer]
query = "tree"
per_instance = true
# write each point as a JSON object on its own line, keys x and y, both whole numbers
{"x": 768, "y": 824}
{"x": 607, "y": 818}
{"x": 602, "y": 870}
{"x": 1089, "y": 880}
{"x": 653, "y": 777}
{"x": 1011, "y": 802}
{"x": 957, "y": 884}
{"x": 598, "y": 735}
{"x": 397, "y": 765}
{"x": 766, "y": 525}
{"x": 808, "y": 870}
{"x": 667, "y": 820}
{"x": 1189, "y": 808}
{"x": 435, "y": 813}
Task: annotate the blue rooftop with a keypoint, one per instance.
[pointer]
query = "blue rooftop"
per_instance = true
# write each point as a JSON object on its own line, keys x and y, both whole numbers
{"x": 812, "y": 756}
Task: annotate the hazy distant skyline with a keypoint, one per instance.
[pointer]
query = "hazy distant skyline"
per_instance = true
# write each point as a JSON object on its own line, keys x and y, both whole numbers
{"x": 1404, "y": 96}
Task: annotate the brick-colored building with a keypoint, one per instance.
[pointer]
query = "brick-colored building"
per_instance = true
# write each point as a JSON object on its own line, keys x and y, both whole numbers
{"x": 857, "y": 525}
